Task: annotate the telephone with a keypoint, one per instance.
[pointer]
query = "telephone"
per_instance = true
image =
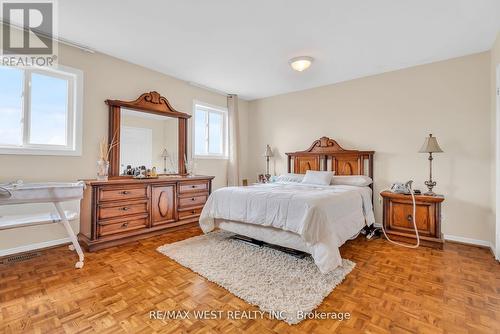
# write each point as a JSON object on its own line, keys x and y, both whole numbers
{"x": 400, "y": 188}
{"x": 407, "y": 189}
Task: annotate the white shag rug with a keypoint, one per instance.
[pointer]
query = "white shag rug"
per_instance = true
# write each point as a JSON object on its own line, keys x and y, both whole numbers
{"x": 270, "y": 279}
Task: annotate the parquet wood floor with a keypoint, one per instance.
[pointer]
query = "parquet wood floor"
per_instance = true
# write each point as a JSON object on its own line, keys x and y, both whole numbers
{"x": 391, "y": 290}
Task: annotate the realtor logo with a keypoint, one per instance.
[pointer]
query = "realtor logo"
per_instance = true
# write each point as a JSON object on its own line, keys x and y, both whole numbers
{"x": 28, "y": 29}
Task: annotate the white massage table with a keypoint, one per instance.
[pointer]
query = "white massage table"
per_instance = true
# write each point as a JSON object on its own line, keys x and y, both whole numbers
{"x": 20, "y": 193}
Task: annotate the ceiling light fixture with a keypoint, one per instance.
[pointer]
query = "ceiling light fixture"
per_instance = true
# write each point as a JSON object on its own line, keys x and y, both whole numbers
{"x": 301, "y": 63}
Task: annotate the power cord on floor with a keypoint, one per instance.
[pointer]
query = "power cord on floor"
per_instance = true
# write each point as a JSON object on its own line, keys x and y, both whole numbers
{"x": 413, "y": 220}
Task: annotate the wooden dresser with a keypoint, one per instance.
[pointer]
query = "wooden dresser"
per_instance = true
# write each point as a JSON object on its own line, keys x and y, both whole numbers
{"x": 125, "y": 209}
{"x": 398, "y": 210}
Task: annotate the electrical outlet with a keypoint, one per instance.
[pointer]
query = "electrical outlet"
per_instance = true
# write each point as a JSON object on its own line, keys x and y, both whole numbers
{"x": 442, "y": 217}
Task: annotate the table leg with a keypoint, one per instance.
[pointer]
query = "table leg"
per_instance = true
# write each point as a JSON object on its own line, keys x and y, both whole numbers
{"x": 71, "y": 234}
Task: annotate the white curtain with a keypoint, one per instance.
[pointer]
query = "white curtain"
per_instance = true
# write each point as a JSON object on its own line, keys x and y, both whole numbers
{"x": 233, "y": 168}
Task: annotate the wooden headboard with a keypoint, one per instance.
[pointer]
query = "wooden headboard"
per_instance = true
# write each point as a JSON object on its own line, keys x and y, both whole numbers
{"x": 326, "y": 154}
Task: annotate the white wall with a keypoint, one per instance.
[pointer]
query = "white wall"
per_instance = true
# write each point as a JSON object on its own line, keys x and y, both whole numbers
{"x": 392, "y": 113}
{"x": 105, "y": 77}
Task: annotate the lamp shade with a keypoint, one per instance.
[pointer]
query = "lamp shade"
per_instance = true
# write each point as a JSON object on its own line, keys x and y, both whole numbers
{"x": 164, "y": 153}
{"x": 430, "y": 145}
{"x": 269, "y": 152}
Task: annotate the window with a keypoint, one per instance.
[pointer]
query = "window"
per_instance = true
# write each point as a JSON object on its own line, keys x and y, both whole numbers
{"x": 40, "y": 111}
{"x": 210, "y": 131}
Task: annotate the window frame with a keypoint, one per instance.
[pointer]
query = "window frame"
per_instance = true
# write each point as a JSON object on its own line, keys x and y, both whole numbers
{"x": 225, "y": 133}
{"x": 74, "y": 119}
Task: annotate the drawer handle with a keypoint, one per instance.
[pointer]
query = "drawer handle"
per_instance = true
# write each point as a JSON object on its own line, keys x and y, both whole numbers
{"x": 409, "y": 218}
{"x": 125, "y": 192}
{"x": 125, "y": 208}
{"x": 124, "y": 225}
{"x": 193, "y": 186}
{"x": 193, "y": 212}
{"x": 193, "y": 199}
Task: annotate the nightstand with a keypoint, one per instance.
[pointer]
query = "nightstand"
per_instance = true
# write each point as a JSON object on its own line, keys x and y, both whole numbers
{"x": 398, "y": 210}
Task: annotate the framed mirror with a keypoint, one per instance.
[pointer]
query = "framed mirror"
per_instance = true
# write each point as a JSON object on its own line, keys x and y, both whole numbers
{"x": 147, "y": 132}
{"x": 148, "y": 140}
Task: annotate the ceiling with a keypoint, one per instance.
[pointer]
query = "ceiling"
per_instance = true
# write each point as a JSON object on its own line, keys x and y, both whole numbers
{"x": 243, "y": 47}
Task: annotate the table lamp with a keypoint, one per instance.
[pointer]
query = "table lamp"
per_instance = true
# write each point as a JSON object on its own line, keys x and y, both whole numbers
{"x": 164, "y": 155}
{"x": 430, "y": 146}
{"x": 268, "y": 154}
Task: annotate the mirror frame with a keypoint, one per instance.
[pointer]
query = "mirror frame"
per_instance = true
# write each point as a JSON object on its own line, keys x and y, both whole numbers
{"x": 152, "y": 103}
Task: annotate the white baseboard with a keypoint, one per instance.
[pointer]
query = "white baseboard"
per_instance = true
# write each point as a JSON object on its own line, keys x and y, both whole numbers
{"x": 470, "y": 241}
{"x": 51, "y": 243}
{"x": 30, "y": 247}
{"x": 465, "y": 240}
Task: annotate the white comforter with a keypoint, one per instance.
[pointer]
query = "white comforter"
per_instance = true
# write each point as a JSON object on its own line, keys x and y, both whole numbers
{"x": 323, "y": 216}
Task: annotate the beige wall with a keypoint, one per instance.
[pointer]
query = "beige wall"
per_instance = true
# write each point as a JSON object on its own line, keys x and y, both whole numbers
{"x": 104, "y": 77}
{"x": 392, "y": 113}
{"x": 495, "y": 61}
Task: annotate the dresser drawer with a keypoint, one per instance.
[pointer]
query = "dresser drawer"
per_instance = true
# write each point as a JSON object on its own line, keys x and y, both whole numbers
{"x": 118, "y": 209}
{"x": 192, "y": 201}
{"x": 194, "y": 186}
{"x": 121, "y": 226}
{"x": 190, "y": 213}
{"x": 122, "y": 193}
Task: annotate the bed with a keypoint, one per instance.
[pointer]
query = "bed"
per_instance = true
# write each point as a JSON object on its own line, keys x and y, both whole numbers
{"x": 316, "y": 219}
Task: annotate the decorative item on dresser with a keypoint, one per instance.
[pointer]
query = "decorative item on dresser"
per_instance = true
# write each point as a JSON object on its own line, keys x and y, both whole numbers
{"x": 124, "y": 208}
{"x": 397, "y": 218}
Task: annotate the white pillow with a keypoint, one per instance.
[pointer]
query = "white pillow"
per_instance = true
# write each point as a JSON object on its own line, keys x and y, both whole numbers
{"x": 352, "y": 180}
{"x": 317, "y": 177}
{"x": 290, "y": 177}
